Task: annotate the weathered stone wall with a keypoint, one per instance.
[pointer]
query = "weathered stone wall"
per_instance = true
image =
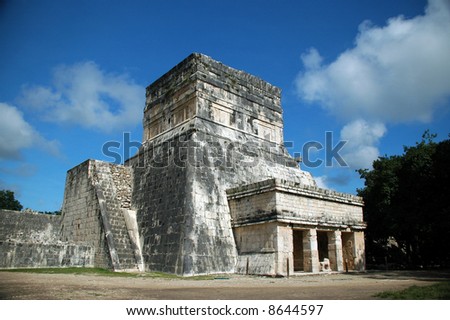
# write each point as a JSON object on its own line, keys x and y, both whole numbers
{"x": 161, "y": 201}
{"x": 208, "y": 128}
{"x": 301, "y": 213}
{"x": 202, "y": 87}
{"x": 96, "y": 200}
{"x": 316, "y": 204}
{"x": 39, "y": 255}
{"x": 261, "y": 204}
{"x": 359, "y": 253}
{"x": 170, "y": 100}
{"x": 227, "y": 158}
{"x": 32, "y": 240}
{"x": 112, "y": 189}
{"x": 236, "y": 99}
{"x": 265, "y": 248}
{"x": 97, "y": 227}
{"x": 297, "y": 203}
{"x": 185, "y": 166}
{"x": 81, "y": 220}
{"x": 180, "y": 193}
{"x": 28, "y": 227}
{"x": 257, "y": 249}
{"x": 285, "y": 258}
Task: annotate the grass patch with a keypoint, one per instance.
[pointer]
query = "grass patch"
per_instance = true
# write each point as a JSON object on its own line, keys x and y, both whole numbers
{"x": 88, "y": 271}
{"x": 105, "y": 272}
{"x": 438, "y": 291}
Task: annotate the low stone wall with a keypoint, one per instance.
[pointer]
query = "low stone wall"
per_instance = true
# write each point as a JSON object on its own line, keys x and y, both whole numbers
{"x": 18, "y": 226}
{"x": 40, "y": 255}
{"x": 30, "y": 240}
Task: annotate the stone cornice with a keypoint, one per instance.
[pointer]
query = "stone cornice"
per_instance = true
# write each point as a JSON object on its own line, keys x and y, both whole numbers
{"x": 293, "y": 188}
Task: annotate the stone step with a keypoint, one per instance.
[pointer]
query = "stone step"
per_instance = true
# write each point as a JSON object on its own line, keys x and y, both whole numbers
{"x": 117, "y": 191}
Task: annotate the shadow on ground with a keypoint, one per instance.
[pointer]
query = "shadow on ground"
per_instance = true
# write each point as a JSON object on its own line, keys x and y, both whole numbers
{"x": 420, "y": 275}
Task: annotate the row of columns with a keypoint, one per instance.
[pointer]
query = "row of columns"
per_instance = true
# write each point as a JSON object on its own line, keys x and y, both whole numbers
{"x": 311, "y": 261}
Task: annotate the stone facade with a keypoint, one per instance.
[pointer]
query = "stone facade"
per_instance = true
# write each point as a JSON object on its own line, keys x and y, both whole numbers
{"x": 212, "y": 188}
{"x": 32, "y": 241}
{"x": 207, "y": 127}
{"x": 295, "y": 227}
{"x": 97, "y": 211}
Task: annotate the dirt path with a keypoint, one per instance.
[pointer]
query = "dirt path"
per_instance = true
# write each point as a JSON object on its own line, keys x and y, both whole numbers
{"x": 330, "y": 286}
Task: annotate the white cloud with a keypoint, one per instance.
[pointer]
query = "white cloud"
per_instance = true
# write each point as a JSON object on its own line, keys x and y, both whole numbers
{"x": 396, "y": 73}
{"x": 362, "y": 138}
{"x": 334, "y": 178}
{"x": 312, "y": 59}
{"x": 84, "y": 94}
{"x": 399, "y": 72}
{"x": 322, "y": 182}
{"x": 16, "y": 134}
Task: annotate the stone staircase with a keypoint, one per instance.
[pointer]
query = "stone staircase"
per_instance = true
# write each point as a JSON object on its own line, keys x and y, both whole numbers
{"x": 113, "y": 188}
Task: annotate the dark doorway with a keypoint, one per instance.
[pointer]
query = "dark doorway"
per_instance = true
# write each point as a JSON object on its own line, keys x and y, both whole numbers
{"x": 298, "y": 250}
{"x": 322, "y": 244}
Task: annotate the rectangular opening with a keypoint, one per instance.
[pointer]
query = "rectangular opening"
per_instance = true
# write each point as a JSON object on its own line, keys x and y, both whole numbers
{"x": 322, "y": 244}
{"x": 348, "y": 250}
{"x": 298, "y": 250}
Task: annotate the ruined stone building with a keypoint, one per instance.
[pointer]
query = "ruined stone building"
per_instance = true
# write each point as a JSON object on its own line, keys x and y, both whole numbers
{"x": 211, "y": 190}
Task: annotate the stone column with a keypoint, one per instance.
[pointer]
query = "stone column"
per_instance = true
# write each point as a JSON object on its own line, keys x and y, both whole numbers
{"x": 310, "y": 252}
{"x": 284, "y": 251}
{"x": 335, "y": 250}
{"x": 360, "y": 259}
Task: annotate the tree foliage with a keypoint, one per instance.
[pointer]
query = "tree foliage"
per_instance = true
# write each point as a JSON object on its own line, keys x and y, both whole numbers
{"x": 407, "y": 205}
{"x": 8, "y": 201}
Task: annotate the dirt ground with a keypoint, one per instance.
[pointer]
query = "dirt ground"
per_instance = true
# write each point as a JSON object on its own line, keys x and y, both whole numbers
{"x": 362, "y": 286}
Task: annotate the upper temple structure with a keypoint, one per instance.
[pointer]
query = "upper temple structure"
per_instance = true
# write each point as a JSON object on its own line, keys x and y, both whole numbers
{"x": 211, "y": 190}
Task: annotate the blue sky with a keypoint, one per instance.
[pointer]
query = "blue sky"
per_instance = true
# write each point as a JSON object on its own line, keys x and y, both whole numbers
{"x": 72, "y": 76}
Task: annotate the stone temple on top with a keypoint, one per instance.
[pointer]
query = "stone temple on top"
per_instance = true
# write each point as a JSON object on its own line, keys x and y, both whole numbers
{"x": 211, "y": 190}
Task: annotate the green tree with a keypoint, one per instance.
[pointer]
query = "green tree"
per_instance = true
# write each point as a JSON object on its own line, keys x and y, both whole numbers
{"x": 381, "y": 187}
{"x": 407, "y": 205}
{"x": 8, "y": 201}
{"x": 440, "y": 206}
